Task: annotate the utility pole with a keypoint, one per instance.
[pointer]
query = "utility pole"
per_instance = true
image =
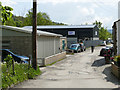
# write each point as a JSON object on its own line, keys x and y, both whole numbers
{"x": 34, "y": 36}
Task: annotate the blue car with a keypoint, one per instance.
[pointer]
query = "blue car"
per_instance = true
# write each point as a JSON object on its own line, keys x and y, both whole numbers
{"x": 75, "y": 47}
{"x": 17, "y": 58}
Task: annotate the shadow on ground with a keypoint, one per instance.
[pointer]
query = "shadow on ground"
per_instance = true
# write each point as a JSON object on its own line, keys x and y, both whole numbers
{"x": 110, "y": 77}
{"x": 99, "y": 62}
{"x": 116, "y": 88}
{"x": 107, "y": 71}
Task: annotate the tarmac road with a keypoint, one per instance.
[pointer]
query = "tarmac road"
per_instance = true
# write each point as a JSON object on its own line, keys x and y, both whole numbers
{"x": 82, "y": 70}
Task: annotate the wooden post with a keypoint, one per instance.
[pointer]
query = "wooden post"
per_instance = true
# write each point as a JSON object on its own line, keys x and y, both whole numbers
{"x": 34, "y": 36}
{"x": 29, "y": 63}
{"x": 114, "y": 34}
{"x": 13, "y": 67}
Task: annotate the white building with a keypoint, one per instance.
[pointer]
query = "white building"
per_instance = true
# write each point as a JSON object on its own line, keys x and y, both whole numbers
{"x": 116, "y": 33}
{"x": 19, "y": 41}
{"x": 116, "y": 37}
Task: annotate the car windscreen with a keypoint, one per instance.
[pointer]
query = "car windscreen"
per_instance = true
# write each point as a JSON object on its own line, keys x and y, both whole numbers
{"x": 73, "y": 46}
{"x": 108, "y": 47}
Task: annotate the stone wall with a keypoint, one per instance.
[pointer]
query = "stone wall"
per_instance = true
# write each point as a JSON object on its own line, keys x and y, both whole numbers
{"x": 21, "y": 45}
{"x": 115, "y": 70}
{"x": 54, "y": 58}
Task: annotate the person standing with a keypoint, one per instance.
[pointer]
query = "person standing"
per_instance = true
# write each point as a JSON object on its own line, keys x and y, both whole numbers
{"x": 92, "y": 48}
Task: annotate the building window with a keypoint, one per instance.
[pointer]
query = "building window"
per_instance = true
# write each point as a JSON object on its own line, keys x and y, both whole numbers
{"x": 96, "y": 33}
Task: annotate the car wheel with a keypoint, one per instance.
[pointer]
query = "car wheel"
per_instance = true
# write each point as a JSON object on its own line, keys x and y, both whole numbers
{"x": 82, "y": 50}
{"x": 77, "y": 51}
{"x": 85, "y": 49}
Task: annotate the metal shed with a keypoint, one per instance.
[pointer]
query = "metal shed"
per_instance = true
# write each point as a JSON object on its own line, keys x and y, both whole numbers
{"x": 19, "y": 40}
{"x": 116, "y": 37}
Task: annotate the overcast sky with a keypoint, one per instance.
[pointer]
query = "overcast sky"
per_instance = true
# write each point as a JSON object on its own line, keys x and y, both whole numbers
{"x": 75, "y": 12}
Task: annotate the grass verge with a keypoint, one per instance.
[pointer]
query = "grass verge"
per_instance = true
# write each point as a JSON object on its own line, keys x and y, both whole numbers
{"x": 22, "y": 73}
{"x": 54, "y": 62}
{"x": 70, "y": 53}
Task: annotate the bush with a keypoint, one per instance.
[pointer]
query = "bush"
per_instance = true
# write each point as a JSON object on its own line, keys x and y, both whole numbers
{"x": 34, "y": 73}
{"x": 21, "y": 73}
{"x": 117, "y": 60}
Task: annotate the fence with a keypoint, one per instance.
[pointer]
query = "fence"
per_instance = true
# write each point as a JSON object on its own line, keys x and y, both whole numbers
{"x": 94, "y": 43}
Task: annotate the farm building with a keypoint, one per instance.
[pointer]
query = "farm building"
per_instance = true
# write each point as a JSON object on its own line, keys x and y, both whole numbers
{"x": 73, "y": 33}
{"x": 19, "y": 41}
{"x": 116, "y": 37}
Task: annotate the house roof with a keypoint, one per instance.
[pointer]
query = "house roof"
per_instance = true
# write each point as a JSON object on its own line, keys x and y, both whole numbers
{"x": 29, "y": 31}
{"x": 62, "y": 26}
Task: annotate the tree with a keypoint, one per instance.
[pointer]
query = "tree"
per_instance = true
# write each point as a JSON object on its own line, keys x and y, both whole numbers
{"x": 10, "y": 22}
{"x": 103, "y": 32}
{"x": 20, "y": 21}
{"x": 5, "y": 13}
{"x": 15, "y": 21}
{"x": 99, "y": 24}
{"x": 42, "y": 19}
{"x": 86, "y": 23}
{"x": 28, "y": 18}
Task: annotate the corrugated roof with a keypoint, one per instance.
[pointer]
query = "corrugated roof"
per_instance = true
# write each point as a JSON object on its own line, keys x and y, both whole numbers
{"x": 30, "y": 31}
{"x": 61, "y": 26}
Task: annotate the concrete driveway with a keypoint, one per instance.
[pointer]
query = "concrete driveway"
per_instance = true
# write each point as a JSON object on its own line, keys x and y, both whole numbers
{"x": 82, "y": 70}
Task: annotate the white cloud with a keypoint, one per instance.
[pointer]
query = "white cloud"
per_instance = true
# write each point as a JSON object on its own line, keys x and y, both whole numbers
{"x": 74, "y": 11}
{"x": 76, "y": 1}
{"x": 94, "y": 5}
{"x": 66, "y": 1}
{"x": 88, "y": 15}
{"x": 8, "y": 2}
{"x": 86, "y": 10}
{"x": 105, "y": 20}
{"x": 63, "y": 1}
{"x": 103, "y": 2}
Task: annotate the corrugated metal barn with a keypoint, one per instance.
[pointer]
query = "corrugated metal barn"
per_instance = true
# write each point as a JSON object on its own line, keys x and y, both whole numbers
{"x": 78, "y": 31}
{"x": 19, "y": 40}
{"x": 74, "y": 33}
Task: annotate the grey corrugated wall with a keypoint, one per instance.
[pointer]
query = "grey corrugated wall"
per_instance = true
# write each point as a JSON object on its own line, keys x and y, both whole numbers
{"x": 94, "y": 43}
{"x": 47, "y": 46}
